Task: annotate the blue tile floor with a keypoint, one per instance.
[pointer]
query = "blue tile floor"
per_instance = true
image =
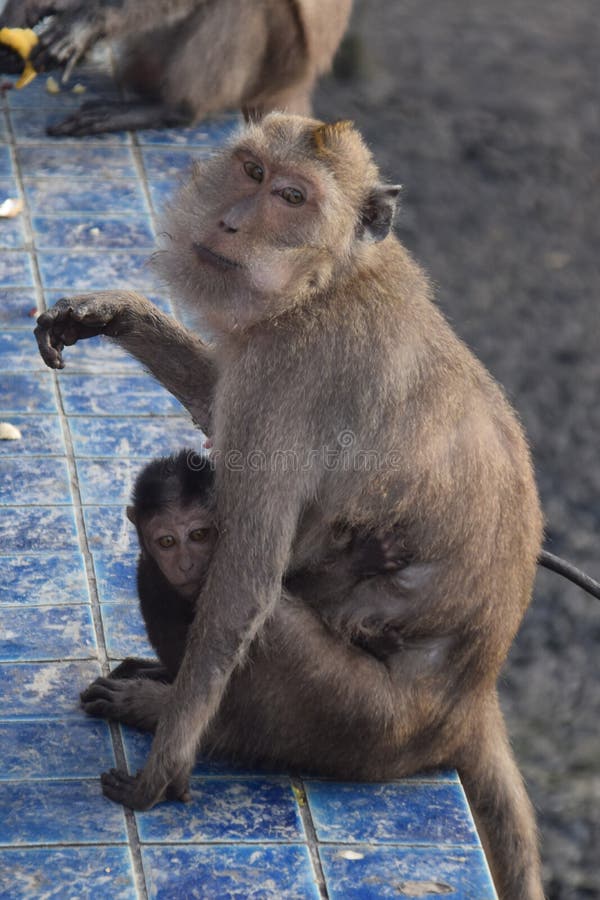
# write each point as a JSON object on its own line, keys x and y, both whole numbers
{"x": 67, "y": 594}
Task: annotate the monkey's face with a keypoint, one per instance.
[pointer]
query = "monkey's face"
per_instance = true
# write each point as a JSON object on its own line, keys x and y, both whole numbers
{"x": 268, "y": 221}
{"x": 181, "y": 541}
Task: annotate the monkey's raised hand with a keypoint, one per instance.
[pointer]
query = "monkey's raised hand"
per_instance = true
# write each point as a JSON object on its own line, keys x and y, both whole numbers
{"x": 73, "y": 319}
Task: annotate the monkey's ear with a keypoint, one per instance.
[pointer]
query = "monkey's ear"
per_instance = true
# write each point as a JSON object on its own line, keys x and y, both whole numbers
{"x": 131, "y": 515}
{"x": 377, "y": 214}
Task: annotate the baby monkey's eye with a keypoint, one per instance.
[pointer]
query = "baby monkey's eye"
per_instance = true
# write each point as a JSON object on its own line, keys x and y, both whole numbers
{"x": 199, "y": 534}
{"x": 293, "y": 196}
{"x": 167, "y": 540}
{"x": 254, "y": 170}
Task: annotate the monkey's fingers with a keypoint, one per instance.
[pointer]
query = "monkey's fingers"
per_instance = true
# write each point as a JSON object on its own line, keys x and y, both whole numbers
{"x": 129, "y": 790}
{"x": 64, "y": 43}
{"x": 50, "y": 346}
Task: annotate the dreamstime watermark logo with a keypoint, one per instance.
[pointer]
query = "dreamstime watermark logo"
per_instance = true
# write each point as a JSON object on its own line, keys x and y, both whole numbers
{"x": 344, "y": 454}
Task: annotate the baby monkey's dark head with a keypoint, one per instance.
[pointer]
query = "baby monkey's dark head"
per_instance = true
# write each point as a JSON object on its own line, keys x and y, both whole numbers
{"x": 173, "y": 512}
{"x": 270, "y": 220}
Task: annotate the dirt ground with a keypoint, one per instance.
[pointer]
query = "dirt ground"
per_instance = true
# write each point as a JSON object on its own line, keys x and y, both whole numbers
{"x": 488, "y": 113}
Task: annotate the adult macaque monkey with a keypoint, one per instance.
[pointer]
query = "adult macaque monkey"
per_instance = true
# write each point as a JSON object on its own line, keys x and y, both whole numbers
{"x": 186, "y": 59}
{"x": 329, "y": 353}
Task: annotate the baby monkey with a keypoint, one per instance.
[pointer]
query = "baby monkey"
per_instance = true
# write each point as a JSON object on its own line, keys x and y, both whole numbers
{"x": 173, "y": 512}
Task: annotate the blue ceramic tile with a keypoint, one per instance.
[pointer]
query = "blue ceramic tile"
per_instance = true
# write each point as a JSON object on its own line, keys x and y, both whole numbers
{"x": 244, "y": 810}
{"x": 106, "y": 270}
{"x": 97, "y": 232}
{"x": 124, "y": 630}
{"x": 170, "y": 163}
{"x": 108, "y": 530}
{"x": 31, "y": 480}
{"x": 162, "y": 192}
{"x": 135, "y": 395}
{"x": 67, "y": 873}
{"x": 27, "y": 394}
{"x": 6, "y": 167}
{"x": 56, "y": 812}
{"x": 210, "y": 132}
{"x": 133, "y": 437}
{"x": 39, "y": 435}
{"x": 19, "y": 352}
{"x": 55, "y": 749}
{"x": 43, "y": 579}
{"x": 401, "y": 813}
{"x": 137, "y": 747}
{"x": 45, "y": 690}
{"x": 15, "y": 269}
{"x": 43, "y": 529}
{"x": 35, "y": 97}
{"x": 30, "y": 124}
{"x": 12, "y": 235}
{"x": 46, "y": 632}
{"x": 116, "y": 575}
{"x": 18, "y": 308}
{"x": 236, "y": 871}
{"x": 74, "y": 161}
{"x": 107, "y": 481}
{"x": 370, "y": 873}
{"x": 58, "y": 195}
{"x": 8, "y": 188}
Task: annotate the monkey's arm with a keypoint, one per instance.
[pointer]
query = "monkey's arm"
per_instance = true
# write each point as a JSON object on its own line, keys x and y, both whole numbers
{"x": 257, "y": 516}
{"x": 178, "y": 359}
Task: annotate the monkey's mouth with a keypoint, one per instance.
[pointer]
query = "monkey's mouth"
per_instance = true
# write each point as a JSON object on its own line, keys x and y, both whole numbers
{"x": 213, "y": 258}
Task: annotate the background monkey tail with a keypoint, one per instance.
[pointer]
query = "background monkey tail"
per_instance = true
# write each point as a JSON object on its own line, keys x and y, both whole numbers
{"x": 501, "y": 808}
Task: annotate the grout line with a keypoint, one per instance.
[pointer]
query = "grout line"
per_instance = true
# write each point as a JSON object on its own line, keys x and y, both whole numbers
{"x": 311, "y": 835}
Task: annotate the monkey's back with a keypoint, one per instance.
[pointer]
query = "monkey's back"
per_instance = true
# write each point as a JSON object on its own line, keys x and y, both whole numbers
{"x": 423, "y": 436}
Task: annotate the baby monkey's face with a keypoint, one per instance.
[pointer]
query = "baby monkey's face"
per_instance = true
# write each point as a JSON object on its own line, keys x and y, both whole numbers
{"x": 181, "y": 540}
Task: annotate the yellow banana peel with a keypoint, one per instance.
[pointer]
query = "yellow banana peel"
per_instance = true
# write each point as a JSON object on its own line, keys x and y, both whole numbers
{"x": 22, "y": 41}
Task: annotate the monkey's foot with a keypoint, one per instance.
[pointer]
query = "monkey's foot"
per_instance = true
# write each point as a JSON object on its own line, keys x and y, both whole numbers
{"x": 131, "y": 791}
{"x": 96, "y": 117}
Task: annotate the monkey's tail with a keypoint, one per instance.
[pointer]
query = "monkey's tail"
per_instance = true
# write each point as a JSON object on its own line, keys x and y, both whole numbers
{"x": 567, "y": 570}
{"x": 502, "y": 810}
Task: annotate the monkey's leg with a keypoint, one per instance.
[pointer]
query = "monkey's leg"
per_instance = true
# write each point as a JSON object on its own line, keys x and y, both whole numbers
{"x": 98, "y": 117}
{"x": 502, "y": 809}
{"x": 178, "y": 359}
{"x": 132, "y": 701}
{"x": 141, "y": 668}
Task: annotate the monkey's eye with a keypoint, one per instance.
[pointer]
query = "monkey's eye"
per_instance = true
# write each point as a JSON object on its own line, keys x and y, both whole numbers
{"x": 166, "y": 541}
{"x": 199, "y": 534}
{"x": 254, "y": 170}
{"x": 293, "y": 196}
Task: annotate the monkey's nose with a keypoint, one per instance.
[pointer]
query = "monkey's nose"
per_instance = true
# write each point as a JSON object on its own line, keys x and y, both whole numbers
{"x": 226, "y": 227}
